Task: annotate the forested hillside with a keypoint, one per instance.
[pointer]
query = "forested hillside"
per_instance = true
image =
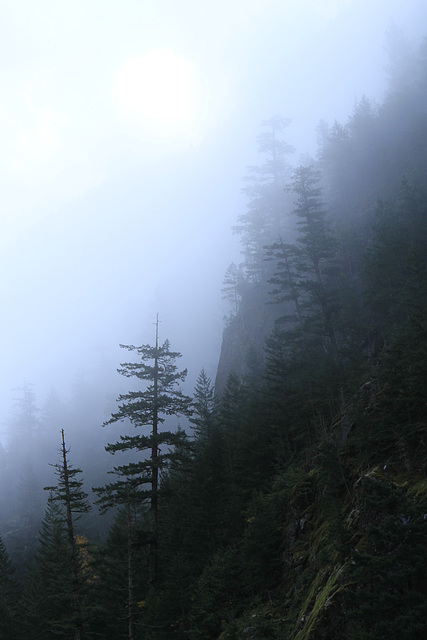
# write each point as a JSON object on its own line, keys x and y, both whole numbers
{"x": 296, "y": 505}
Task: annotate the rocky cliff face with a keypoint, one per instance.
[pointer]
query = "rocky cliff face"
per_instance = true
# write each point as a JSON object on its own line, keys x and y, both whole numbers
{"x": 243, "y": 342}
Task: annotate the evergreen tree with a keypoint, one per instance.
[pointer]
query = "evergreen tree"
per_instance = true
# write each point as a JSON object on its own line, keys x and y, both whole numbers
{"x": 204, "y": 406}
{"x": 318, "y": 249}
{"x": 125, "y": 493}
{"x": 387, "y": 598}
{"x": 147, "y": 408}
{"x": 233, "y": 286}
{"x": 303, "y": 275}
{"x": 121, "y": 576}
{"x": 48, "y": 609}
{"x": 286, "y": 280}
{"x": 70, "y": 494}
{"x": 9, "y": 597}
{"x": 264, "y": 220}
{"x": 303, "y": 368}
{"x": 396, "y": 260}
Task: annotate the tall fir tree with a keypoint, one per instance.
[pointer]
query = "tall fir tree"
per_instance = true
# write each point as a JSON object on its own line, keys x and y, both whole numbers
{"x": 70, "y": 494}
{"x": 304, "y": 270}
{"x": 317, "y": 249}
{"x": 233, "y": 286}
{"x": 9, "y": 597}
{"x": 48, "y": 607}
{"x": 147, "y": 409}
{"x": 204, "y": 406}
{"x": 264, "y": 220}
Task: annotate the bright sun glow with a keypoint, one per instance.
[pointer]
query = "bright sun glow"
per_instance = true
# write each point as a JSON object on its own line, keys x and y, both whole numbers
{"x": 156, "y": 90}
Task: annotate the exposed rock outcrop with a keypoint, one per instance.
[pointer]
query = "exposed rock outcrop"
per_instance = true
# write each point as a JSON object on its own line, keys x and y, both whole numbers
{"x": 243, "y": 342}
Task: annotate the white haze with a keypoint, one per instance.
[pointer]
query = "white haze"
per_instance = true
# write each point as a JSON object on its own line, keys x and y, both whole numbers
{"x": 107, "y": 220}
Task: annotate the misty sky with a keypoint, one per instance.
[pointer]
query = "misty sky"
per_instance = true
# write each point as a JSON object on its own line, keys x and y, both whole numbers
{"x": 125, "y": 131}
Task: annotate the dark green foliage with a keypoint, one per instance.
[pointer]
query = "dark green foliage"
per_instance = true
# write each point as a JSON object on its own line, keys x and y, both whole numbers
{"x": 73, "y": 500}
{"x": 217, "y": 597}
{"x": 343, "y": 395}
{"x": 333, "y": 499}
{"x": 286, "y": 279}
{"x": 306, "y": 283}
{"x": 315, "y": 238}
{"x": 313, "y": 288}
{"x": 261, "y": 542}
{"x": 110, "y": 603}
{"x": 299, "y": 397}
{"x": 388, "y": 566}
{"x": 396, "y": 293}
{"x": 191, "y": 528}
{"x": 139, "y": 406}
{"x": 69, "y": 491}
{"x": 204, "y": 404}
{"x": 397, "y": 260}
{"x": 9, "y": 597}
{"x": 48, "y": 610}
{"x": 147, "y": 408}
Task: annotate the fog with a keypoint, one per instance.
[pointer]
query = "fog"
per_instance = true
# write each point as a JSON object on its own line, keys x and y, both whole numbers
{"x": 115, "y": 208}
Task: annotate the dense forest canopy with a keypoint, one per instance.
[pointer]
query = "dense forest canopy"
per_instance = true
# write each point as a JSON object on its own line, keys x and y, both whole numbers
{"x": 295, "y": 505}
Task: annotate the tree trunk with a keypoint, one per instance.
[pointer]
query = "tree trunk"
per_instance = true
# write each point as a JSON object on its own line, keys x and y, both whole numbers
{"x": 155, "y": 472}
{"x": 79, "y": 635}
{"x": 131, "y": 619}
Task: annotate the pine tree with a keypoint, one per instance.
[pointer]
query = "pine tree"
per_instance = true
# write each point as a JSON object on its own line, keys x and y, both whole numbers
{"x": 396, "y": 261}
{"x": 387, "y": 597}
{"x": 233, "y": 286}
{"x": 305, "y": 271}
{"x": 204, "y": 405}
{"x": 318, "y": 247}
{"x": 48, "y": 606}
{"x": 124, "y": 493}
{"x": 9, "y": 597}
{"x": 121, "y": 576}
{"x": 264, "y": 220}
{"x": 147, "y": 408}
{"x": 70, "y": 494}
{"x": 286, "y": 280}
